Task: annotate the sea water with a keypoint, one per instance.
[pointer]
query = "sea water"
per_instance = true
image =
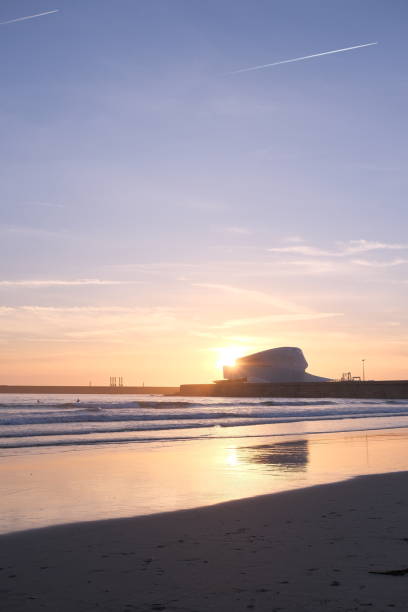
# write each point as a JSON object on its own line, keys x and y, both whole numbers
{"x": 62, "y": 420}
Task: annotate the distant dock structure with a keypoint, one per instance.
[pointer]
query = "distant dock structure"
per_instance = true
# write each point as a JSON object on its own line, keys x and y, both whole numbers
{"x": 281, "y": 373}
{"x": 116, "y": 381}
{"x": 91, "y": 390}
{"x": 370, "y": 389}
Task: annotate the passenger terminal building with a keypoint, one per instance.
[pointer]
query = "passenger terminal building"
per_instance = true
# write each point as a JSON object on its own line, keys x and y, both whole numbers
{"x": 285, "y": 364}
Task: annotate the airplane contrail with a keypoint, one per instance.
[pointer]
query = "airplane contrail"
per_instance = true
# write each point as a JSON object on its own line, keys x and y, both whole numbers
{"x": 299, "y": 59}
{"x": 29, "y": 17}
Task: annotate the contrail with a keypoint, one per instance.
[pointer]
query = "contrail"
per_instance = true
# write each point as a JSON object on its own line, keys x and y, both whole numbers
{"x": 305, "y": 57}
{"x": 29, "y": 17}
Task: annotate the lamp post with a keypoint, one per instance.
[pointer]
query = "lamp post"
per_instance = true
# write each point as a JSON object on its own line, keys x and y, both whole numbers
{"x": 363, "y": 361}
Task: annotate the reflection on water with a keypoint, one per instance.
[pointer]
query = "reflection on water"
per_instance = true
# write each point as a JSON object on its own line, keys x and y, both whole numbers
{"x": 291, "y": 456}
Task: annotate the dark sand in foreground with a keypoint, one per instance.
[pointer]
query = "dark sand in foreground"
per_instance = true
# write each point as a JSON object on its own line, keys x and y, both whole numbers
{"x": 304, "y": 550}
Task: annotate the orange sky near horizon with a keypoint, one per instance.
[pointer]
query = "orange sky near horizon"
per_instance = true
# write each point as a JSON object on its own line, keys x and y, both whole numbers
{"x": 188, "y": 340}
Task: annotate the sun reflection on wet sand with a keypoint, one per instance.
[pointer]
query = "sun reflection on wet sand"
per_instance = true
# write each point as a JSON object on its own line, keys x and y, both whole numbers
{"x": 45, "y": 487}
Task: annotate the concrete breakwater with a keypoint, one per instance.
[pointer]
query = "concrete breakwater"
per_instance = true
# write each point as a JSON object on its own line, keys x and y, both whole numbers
{"x": 379, "y": 389}
{"x": 81, "y": 390}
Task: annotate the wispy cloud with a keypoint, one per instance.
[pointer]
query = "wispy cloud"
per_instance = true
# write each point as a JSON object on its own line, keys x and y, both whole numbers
{"x": 293, "y": 239}
{"x": 35, "y": 232}
{"x": 313, "y": 266}
{"x": 258, "y": 297}
{"x": 291, "y": 311}
{"x": 300, "y": 59}
{"x": 361, "y": 246}
{"x": 62, "y": 283}
{"x": 115, "y": 310}
{"x": 29, "y": 17}
{"x": 277, "y": 318}
{"x": 235, "y": 229}
{"x": 303, "y": 249}
{"x": 380, "y": 264}
{"x": 344, "y": 248}
{"x": 82, "y": 323}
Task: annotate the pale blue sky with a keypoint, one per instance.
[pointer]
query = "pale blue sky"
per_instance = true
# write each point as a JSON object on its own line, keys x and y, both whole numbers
{"x": 129, "y": 153}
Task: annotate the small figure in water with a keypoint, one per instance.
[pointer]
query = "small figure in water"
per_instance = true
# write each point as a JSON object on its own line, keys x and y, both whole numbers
{"x": 78, "y": 400}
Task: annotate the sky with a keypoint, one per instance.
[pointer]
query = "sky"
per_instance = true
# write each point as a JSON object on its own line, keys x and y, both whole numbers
{"x": 163, "y": 209}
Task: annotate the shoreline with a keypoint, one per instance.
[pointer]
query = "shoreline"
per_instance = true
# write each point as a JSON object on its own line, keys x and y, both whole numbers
{"x": 163, "y": 514}
{"x": 305, "y": 549}
{"x": 118, "y": 442}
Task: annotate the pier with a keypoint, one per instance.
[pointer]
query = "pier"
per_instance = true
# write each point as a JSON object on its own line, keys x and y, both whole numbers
{"x": 90, "y": 390}
{"x": 376, "y": 389}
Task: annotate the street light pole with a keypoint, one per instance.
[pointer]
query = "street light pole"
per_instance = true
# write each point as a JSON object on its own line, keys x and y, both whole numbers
{"x": 363, "y": 360}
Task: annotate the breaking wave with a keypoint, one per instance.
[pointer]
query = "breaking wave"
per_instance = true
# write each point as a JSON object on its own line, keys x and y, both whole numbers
{"x": 54, "y": 420}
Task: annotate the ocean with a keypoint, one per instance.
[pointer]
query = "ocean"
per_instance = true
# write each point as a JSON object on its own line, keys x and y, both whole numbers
{"x": 62, "y": 420}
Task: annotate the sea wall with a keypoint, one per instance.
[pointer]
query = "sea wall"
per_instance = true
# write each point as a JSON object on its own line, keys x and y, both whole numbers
{"x": 381, "y": 389}
{"x": 80, "y": 390}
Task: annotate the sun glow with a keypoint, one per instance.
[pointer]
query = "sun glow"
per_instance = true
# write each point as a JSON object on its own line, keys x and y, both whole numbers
{"x": 232, "y": 458}
{"x": 228, "y": 355}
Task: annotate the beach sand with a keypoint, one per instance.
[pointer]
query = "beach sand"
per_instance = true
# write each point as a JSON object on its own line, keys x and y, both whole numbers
{"x": 304, "y": 550}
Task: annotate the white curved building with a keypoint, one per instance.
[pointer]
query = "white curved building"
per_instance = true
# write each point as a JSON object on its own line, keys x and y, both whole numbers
{"x": 284, "y": 364}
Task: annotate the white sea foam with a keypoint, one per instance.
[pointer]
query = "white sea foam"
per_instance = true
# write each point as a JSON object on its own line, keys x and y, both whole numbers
{"x": 30, "y": 421}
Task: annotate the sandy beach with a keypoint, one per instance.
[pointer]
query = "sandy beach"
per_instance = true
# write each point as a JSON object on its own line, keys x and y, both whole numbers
{"x": 308, "y": 549}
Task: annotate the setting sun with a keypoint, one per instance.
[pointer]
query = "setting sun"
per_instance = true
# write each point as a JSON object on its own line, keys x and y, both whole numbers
{"x": 227, "y": 355}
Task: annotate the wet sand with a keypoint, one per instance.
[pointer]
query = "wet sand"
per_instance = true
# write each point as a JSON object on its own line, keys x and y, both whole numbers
{"x": 45, "y": 487}
{"x": 304, "y": 550}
